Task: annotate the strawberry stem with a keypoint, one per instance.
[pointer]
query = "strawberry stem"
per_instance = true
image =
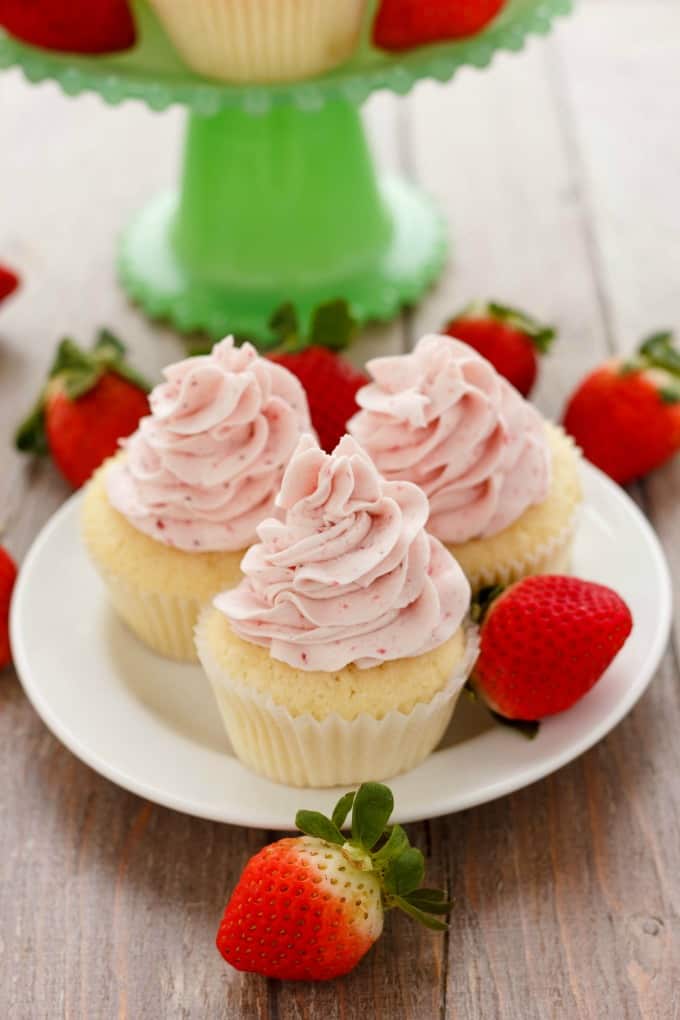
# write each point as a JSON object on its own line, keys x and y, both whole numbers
{"x": 375, "y": 846}
{"x": 541, "y": 336}
{"x": 76, "y": 371}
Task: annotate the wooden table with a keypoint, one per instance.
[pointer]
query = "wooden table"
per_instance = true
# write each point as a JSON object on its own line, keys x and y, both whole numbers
{"x": 559, "y": 171}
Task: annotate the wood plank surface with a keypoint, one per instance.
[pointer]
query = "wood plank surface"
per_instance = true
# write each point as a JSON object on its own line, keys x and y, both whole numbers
{"x": 557, "y": 171}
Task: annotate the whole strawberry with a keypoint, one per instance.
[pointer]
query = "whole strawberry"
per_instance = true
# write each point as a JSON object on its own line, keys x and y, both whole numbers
{"x": 310, "y": 907}
{"x": 75, "y": 26}
{"x": 9, "y": 281}
{"x": 329, "y": 381}
{"x": 511, "y": 340}
{"x": 403, "y": 24}
{"x": 92, "y": 399}
{"x": 8, "y": 575}
{"x": 625, "y": 415}
{"x": 544, "y": 642}
{"x": 331, "y": 385}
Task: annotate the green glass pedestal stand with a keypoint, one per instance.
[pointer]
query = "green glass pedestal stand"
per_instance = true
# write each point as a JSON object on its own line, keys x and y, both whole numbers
{"x": 280, "y": 207}
{"x": 279, "y": 200}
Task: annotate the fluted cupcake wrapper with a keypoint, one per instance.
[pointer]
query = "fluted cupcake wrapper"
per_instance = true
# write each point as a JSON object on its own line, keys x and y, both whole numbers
{"x": 165, "y": 623}
{"x": 262, "y": 40}
{"x": 303, "y": 751}
{"x": 550, "y": 557}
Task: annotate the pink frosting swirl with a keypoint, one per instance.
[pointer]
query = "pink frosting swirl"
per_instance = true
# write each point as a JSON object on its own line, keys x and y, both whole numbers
{"x": 442, "y": 417}
{"x": 348, "y": 574}
{"x": 203, "y": 470}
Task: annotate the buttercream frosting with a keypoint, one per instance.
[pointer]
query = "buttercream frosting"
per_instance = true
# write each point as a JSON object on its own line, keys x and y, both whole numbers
{"x": 346, "y": 573}
{"x": 443, "y": 418}
{"x": 203, "y": 469}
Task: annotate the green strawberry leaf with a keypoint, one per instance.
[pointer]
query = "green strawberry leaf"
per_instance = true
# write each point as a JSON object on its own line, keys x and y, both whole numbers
{"x": 107, "y": 342}
{"x": 483, "y": 601}
{"x": 313, "y": 823}
{"x": 69, "y": 358}
{"x": 541, "y": 336}
{"x": 404, "y": 873}
{"x": 670, "y": 394}
{"x": 76, "y": 383}
{"x": 373, "y": 805}
{"x": 432, "y": 901}
{"x": 285, "y": 326}
{"x": 658, "y": 351}
{"x": 396, "y": 843}
{"x": 420, "y": 915}
{"x": 342, "y": 809}
{"x": 31, "y": 437}
{"x": 526, "y": 727}
{"x": 332, "y": 326}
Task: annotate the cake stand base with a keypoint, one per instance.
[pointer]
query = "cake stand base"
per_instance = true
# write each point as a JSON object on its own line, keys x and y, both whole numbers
{"x": 155, "y": 277}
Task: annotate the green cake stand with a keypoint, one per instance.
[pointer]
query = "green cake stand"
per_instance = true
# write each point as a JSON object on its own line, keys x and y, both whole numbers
{"x": 278, "y": 199}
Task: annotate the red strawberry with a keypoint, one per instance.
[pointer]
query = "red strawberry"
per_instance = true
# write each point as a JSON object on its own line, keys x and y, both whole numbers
{"x": 330, "y": 382}
{"x": 9, "y": 281}
{"x": 75, "y": 26}
{"x": 403, "y": 24}
{"x": 8, "y": 575}
{"x": 506, "y": 337}
{"x": 545, "y": 642}
{"x": 625, "y": 415}
{"x": 310, "y": 907}
{"x": 93, "y": 399}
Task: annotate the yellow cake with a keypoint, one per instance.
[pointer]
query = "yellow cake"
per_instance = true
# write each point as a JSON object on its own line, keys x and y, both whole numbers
{"x": 502, "y": 483}
{"x": 168, "y": 520}
{"x": 538, "y": 542}
{"x": 340, "y": 656}
{"x": 158, "y": 591}
{"x": 397, "y": 685}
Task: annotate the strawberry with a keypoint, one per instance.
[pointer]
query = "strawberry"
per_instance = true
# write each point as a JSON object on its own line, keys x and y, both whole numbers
{"x": 92, "y": 399}
{"x": 72, "y": 27}
{"x": 330, "y": 382}
{"x": 403, "y": 24}
{"x": 625, "y": 415}
{"x": 9, "y": 281}
{"x": 506, "y": 337}
{"x": 8, "y": 575}
{"x": 310, "y": 907}
{"x": 544, "y": 642}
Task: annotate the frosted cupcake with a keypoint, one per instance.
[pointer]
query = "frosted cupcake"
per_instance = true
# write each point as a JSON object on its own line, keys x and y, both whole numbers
{"x": 168, "y": 520}
{"x": 340, "y": 656}
{"x": 262, "y": 40}
{"x": 503, "y": 483}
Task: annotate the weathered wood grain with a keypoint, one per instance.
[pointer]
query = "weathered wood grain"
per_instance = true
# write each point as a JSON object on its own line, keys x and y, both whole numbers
{"x": 558, "y": 171}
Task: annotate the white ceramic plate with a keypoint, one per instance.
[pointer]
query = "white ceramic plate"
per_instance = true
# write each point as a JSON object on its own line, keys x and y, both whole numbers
{"x": 152, "y": 726}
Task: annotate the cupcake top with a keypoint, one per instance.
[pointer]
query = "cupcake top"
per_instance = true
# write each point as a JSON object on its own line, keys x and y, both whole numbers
{"x": 203, "y": 469}
{"x": 347, "y": 574}
{"x": 442, "y": 417}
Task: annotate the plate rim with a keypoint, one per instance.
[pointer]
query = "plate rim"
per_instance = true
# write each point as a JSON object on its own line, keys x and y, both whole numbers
{"x": 520, "y": 778}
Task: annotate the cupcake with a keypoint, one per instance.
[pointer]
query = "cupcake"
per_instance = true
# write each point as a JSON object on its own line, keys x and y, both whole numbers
{"x": 340, "y": 656}
{"x": 167, "y": 521}
{"x": 262, "y": 40}
{"x": 503, "y": 484}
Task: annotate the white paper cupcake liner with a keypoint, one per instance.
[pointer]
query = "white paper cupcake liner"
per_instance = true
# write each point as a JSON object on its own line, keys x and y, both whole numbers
{"x": 262, "y": 40}
{"x": 303, "y": 751}
{"x": 165, "y": 623}
{"x": 551, "y": 557}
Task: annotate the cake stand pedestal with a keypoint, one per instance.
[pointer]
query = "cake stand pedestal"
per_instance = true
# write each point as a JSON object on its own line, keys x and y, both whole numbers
{"x": 278, "y": 200}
